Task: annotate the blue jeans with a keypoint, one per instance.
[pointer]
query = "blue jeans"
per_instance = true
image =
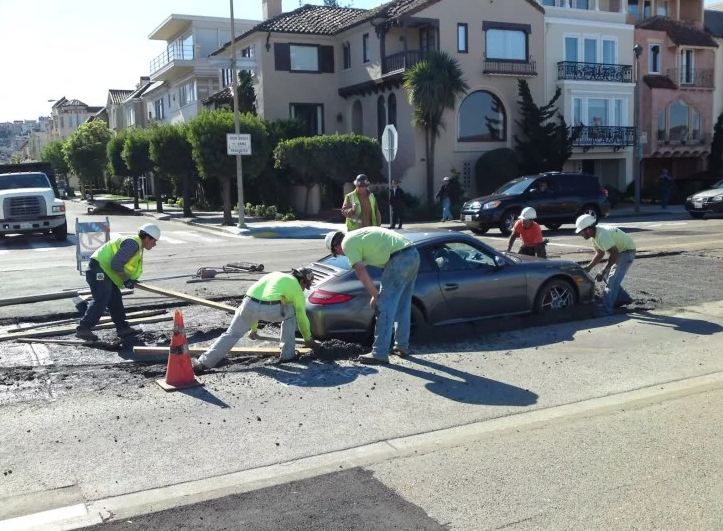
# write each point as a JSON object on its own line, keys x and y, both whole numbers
{"x": 394, "y": 306}
{"x": 446, "y": 210}
{"x": 105, "y": 295}
{"x": 614, "y": 289}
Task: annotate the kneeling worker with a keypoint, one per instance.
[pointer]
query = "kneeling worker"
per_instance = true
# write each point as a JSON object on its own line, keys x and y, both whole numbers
{"x": 114, "y": 265}
{"x": 275, "y": 298}
{"x": 531, "y": 233}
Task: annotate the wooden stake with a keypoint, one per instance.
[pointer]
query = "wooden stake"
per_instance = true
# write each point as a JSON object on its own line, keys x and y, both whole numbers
{"x": 186, "y": 297}
{"x": 103, "y": 320}
{"x": 197, "y": 351}
{"x": 71, "y": 329}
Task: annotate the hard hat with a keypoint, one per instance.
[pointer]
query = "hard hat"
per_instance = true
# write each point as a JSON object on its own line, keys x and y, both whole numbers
{"x": 329, "y": 240}
{"x": 304, "y": 274}
{"x": 151, "y": 230}
{"x": 446, "y": 179}
{"x": 361, "y": 179}
{"x": 583, "y": 222}
{"x": 528, "y": 213}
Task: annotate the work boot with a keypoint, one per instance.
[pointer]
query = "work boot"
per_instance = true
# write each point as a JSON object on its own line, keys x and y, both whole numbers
{"x": 198, "y": 367}
{"x": 128, "y": 332}
{"x": 370, "y": 359}
{"x": 84, "y": 333}
{"x": 399, "y": 351}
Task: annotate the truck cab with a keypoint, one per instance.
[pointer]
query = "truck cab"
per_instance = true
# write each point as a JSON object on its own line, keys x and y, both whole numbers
{"x": 29, "y": 204}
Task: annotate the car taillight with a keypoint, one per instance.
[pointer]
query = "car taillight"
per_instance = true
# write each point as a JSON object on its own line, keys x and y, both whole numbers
{"x": 321, "y": 296}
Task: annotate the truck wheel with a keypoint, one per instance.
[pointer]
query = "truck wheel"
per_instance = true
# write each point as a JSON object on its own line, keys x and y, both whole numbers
{"x": 61, "y": 232}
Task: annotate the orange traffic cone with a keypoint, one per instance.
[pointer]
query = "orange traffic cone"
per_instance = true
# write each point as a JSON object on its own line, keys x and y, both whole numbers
{"x": 179, "y": 373}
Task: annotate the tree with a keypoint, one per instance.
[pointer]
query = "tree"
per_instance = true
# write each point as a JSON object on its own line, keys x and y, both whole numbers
{"x": 433, "y": 85}
{"x": 85, "y": 152}
{"x": 547, "y": 143}
{"x": 116, "y": 164}
{"x": 137, "y": 158}
{"x": 494, "y": 168}
{"x": 246, "y": 93}
{"x": 715, "y": 159}
{"x": 170, "y": 152}
{"x": 207, "y": 135}
{"x": 53, "y": 154}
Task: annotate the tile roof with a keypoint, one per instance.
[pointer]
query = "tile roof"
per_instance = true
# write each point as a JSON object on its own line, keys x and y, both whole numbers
{"x": 659, "y": 82}
{"x": 679, "y": 32}
{"x": 225, "y": 95}
{"x": 714, "y": 22}
{"x": 73, "y": 103}
{"x": 118, "y": 96}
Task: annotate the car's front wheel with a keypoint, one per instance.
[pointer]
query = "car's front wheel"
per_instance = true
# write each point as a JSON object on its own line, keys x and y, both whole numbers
{"x": 508, "y": 222}
{"x": 480, "y": 230}
{"x": 61, "y": 232}
{"x": 555, "y": 294}
{"x": 553, "y": 226}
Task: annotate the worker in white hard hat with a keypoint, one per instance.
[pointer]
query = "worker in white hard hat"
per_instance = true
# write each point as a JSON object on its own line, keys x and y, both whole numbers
{"x": 530, "y": 231}
{"x": 621, "y": 254}
{"x": 115, "y": 265}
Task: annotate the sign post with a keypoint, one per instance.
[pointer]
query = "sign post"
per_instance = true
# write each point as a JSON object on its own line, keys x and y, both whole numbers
{"x": 239, "y": 144}
{"x": 390, "y": 143}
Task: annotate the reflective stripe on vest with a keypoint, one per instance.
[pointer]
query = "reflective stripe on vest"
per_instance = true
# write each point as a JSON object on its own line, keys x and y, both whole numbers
{"x": 133, "y": 268}
{"x": 356, "y": 223}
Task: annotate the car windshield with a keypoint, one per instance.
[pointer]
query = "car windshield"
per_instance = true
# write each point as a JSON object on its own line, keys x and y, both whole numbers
{"x": 516, "y": 186}
{"x": 26, "y": 180}
{"x": 718, "y": 185}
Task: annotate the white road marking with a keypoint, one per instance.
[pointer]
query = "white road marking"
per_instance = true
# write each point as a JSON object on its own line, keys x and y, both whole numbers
{"x": 198, "y": 237}
{"x": 172, "y": 241}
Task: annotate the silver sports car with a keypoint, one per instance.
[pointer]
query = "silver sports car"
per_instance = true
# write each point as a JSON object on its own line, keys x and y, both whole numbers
{"x": 460, "y": 279}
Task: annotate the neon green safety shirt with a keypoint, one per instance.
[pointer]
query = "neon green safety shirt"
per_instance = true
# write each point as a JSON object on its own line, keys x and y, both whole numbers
{"x": 608, "y": 237}
{"x": 133, "y": 267}
{"x": 372, "y": 245}
{"x": 355, "y": 222}
{"x": 278, "y": 286}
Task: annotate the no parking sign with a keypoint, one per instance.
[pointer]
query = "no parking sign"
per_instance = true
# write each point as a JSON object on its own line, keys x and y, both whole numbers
{"x": 89, "y": 235}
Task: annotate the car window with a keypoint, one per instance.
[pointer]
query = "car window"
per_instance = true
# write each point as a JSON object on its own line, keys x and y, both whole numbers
{"x": 515, "y": 187}
{"x": 457, "y": 256}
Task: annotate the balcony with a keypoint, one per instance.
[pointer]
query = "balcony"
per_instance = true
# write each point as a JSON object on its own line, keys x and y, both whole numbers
{"x": 609, "y": 73}
{"x": 510, "y": 68}
{"x": 175, "y": 52}
{"x": 692, "y": 77}
{"x": 616, "y": 137}
{"x": 400, "y": 61}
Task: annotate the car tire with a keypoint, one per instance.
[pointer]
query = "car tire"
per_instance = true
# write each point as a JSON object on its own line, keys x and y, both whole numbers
{"x": 553, "y": 226}
{"x": 61, "y": 232}
{"x": 556, "y": 294}
{"x": 696, "y": 215}
{"x": 480, "y": 231}
{"x": 591, "y": 210}
{"x": 508, "y": 221}
{"x": 419, "y": 323}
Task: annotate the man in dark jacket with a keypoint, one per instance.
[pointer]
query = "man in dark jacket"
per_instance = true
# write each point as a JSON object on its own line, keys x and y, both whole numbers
{"x": 396, "y": 199}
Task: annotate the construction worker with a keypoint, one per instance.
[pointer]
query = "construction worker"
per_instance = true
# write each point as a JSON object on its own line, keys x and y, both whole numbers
{"x": 531, "y": 233}
{"x": 383, "y": 248}
{"x": 621, "y": 254}
{"x": 360, "y": 207}
{"x": 275, "y": 298}
{"x": 114, "y": 265}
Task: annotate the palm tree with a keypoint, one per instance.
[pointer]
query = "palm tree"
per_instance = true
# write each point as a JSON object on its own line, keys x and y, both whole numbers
{"x": 433, "y": 84}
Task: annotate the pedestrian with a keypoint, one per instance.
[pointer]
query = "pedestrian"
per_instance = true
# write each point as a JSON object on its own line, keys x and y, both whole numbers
{"x": 396, "y": 200}
{"x": 443, "y": 194}
{"x": 530, "y": 231}
{"x": 621, "y": 254}
{"x": 114, "y": 265}
{"x": 360, "y": 207}
{"x": 275, "y": 298}
{"x": 665, "y": 183}
{"x": 392, "y": 303}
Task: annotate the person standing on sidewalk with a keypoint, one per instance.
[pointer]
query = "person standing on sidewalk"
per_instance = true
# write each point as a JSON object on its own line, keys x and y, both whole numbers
{"x": 114, "y": 265}
{"x": 396, "y": 200}
{"x": 621, "y": 254}
{"x": 443, "y": 194}
{"x": 275, "y": 298}
{"x": 360, "y": 207}
{"x": 531, "y": 233}
{"x": 665, "y": 183}
{"x": 389, "y": 250}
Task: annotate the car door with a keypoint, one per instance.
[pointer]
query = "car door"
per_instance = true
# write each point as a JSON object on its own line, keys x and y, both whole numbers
{"x": 476, "y": 282}
{"x": 547, "y": 203}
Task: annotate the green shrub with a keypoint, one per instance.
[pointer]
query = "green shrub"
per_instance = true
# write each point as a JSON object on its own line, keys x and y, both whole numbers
{"x": 179, "y": 202}
{"x": 495, "y": 168}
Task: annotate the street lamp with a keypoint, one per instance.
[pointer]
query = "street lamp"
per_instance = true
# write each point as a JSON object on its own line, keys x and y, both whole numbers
{"x": 638, "y": 154}
{"x": 236, "y": 126}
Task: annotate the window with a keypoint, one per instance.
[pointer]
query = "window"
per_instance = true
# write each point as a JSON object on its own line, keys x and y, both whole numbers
{"x": 687, "y": 72}
{"x": 661, "y": 125}
{"x": 609, "y": 50}
{"x": 694, "y": 124}
{"x": 346, "y": 53}
{"x": 661, "y": 9}
{"x": 158, "y": 108}
{"x": 392, "y": 109}
{"x": 590, "y": 50}
{"x": 304, "y": 58}
{"x": 458, "y": 256}
{"x": 381, "y": 117}
{"x": 311, "y": 115}
{"x": 634, "y": 8}
{"x": 365, "y": 48}
{"x": 678, "y": 121}
{"x": 482, "y": 118}
{"x": 428, "y": 38}
{"x": 506, "y": 45}
{"x": 595, "y": 49}
{"x": 597, "y": 110}
{"x": 357, "y": 118}
{"x": 131, "y": 116}
{"x": 571, "y": 49}
{"x": 647, "y": 8}
{"x": 226, "y": 79}
{"x": 550, "y": 3}
{"x": 187, "y": 93}
{"x": 62, "y": 124}
{"x": 577, "y": 111}
{"x": 248, "y": 52}
{"x": 654, "y": 59}
{"x": 462, "y": 38}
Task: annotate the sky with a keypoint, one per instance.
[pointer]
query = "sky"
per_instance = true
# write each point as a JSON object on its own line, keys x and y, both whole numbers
{"x": 81, "y": 48}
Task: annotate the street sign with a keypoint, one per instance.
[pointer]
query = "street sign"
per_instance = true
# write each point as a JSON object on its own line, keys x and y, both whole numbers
{"x": 238, "y": 144}
{"x": 390, "y": 142}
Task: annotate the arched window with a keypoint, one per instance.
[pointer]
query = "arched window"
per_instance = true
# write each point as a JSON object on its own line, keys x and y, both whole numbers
{"x": 482, "y": 118}
{"x": 678, "y": 121}
{"x": 357, "y": 118}
{"x": 392, "y": 109}
{"x": 661, "y": 125}
{"x": 694, "y": 124}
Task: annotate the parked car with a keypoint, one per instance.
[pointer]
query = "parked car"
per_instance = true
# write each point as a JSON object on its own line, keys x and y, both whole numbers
{"x": 460, "y": 279}
{"x": 558, "y": 198}
{"x": 706, "y": 202}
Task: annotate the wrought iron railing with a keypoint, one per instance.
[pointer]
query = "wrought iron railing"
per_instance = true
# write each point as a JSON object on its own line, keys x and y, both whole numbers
{"x": 692, "y": 77}
{"x": 400, "y": 61}
{"x": 510, "y": 68}
{"x": 175, "y": 52}
{"x": 594, "y": 72}
{"x": 603, "y": 135}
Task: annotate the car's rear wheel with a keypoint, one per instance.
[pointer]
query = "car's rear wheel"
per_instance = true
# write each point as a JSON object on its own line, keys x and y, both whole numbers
{"x": 556, "y": 294}
{"x": 507, "y": 222}
{"x": 592, "y": 210}
{"x": 61, "y": 232}
{"x": 553, "y": 226}
{"x": 480, "y": 231}
{"x": 696, "y": 215}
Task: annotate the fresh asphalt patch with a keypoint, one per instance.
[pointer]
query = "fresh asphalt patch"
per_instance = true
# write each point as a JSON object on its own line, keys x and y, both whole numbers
{"x": 350, "y": 499}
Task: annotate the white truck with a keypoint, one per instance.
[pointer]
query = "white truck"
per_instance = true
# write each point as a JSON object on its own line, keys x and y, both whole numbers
{"x": 29, "y": 203}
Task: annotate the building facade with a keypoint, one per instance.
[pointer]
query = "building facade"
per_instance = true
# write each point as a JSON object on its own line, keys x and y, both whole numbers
{"x": 713, "y": 19}
{"x": 67, "y": 115}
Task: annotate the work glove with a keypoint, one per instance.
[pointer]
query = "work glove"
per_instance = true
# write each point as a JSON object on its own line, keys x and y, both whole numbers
{"x": 130, "y": 284}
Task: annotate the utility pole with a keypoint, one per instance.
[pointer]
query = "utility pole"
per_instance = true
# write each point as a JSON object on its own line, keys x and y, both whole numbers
{"x": 638, "y": 154}
{"x": 237, "y": 127}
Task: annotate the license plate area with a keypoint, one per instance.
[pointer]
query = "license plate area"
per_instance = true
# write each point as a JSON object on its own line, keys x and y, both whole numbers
{"x": 698, "y": 204}
{"x": 468, "y": 217}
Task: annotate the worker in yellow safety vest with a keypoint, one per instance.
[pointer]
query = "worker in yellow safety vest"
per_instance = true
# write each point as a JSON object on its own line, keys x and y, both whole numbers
{"x": 114, "y": 265}
{"x": 360, "y": 207}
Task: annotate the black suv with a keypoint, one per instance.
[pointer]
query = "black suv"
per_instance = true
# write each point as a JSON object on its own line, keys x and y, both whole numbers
{"x": 557, "y": 197}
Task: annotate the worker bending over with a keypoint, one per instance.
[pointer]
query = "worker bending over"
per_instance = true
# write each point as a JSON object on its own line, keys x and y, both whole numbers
{"x": 275, "y": 298}
{"x": 527, "y": 227}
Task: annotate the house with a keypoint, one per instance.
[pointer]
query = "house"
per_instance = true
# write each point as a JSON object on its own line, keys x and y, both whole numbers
{"x": 713, "y": 18}
{"x": 66, "y": 115}
{"x": 134, "y": 111}
{"x": 589, "y": 51}
{"x": 183, "y": 75}
{"x": 676, "y": 96}
{"x": 340, "y": 70}
{"x": 114, "y": 108}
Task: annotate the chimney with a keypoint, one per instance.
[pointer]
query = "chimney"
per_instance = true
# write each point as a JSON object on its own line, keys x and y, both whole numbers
{"x": 144, "y": 81}
{"x": 270, "y": 8}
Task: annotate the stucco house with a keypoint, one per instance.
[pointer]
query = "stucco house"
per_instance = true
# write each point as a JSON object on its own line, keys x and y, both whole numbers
{"x": 713, "y": 19}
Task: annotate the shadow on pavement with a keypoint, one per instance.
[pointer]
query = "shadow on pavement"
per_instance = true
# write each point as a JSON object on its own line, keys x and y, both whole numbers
{"x": 201, "y": 393}
{"x": 680, "y": 324}
{"x": 314, "y": 373}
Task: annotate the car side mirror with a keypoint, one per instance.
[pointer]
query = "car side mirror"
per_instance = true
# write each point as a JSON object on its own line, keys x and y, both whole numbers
{"x": 499, "y": 262}
{"x": 532, "y": 191}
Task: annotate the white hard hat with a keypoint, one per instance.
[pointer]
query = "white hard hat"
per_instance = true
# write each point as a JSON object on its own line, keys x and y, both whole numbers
{"x": 329, "y": 240}
{"x": 528, "y": 213}
{"x": 583, "y": 222}
{"x": 152, "y": 230}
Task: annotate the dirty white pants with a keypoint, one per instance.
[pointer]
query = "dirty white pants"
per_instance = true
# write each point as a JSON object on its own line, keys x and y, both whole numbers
{"x": 247, "y": 314}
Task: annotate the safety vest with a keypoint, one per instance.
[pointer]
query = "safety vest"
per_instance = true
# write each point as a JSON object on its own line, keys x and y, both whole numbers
{"x": 133, "y": 268}
{"x": 355, "y": 222}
